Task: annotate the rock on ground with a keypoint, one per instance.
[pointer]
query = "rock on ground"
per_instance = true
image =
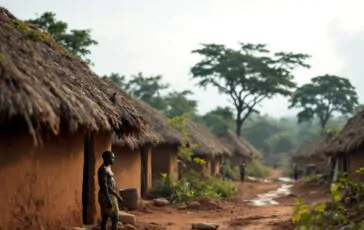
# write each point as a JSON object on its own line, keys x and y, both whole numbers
{"x": 160, "y": 202}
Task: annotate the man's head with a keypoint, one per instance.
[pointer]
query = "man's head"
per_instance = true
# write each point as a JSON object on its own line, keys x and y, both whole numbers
{"x": 108, "y": 157}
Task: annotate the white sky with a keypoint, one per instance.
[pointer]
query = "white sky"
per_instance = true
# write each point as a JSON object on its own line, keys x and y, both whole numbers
{"x": 157, "y": 36}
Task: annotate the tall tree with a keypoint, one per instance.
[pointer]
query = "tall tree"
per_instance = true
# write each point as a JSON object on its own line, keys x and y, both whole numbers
{"x": 148, "y": 89}
{"x": 219, "y": 119}
{"x": 324, "y": 96}
{"x": 77, "y": 42}
{"x": 178, "y": 103}
{"x": 248, "y": 75}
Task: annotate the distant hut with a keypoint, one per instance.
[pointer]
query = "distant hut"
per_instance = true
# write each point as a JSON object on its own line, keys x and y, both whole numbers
{"x": 240, "y": 150}
{"x": 151, "y": 155}
{"x": 306, "y": 159}
{"x": 56, "y": 119}
{"x": 346, "y": 149}
{"x": 210, "y": 149}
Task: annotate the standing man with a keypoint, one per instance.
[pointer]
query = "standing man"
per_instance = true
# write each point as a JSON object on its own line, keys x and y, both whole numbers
{"x": 242, "y": 171}
{"x": 295, "y": 172}
{"x": 108, "y": 196}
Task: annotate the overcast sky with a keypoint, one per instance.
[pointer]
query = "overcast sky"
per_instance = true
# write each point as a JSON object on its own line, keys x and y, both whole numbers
{"x": 157, "y": 36}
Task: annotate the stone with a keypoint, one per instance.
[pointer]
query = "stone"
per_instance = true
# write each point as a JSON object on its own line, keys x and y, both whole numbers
{"x": 194, "y": 205}
{"x": 204, "y": 226}
{"x": 129, "y": 227}
{"x": 160, "y": 202}
{"x": 127, "y": 218}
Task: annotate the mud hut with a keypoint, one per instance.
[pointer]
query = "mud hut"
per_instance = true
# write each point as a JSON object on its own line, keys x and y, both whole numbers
{"x": 306, "y": 159}
{"x": 346, "y": 149}
{"x": 210, "y": 149}
{"x": 151, "y": 155}
{"x": 56, "y": 119}
{"x": 239, "y": 148}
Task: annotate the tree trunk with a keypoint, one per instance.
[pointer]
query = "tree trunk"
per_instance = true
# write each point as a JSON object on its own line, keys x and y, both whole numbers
{"x": 239, "y": 123}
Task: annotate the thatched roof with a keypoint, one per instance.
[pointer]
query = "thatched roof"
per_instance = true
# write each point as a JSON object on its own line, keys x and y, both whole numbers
{"x": 306, "y": 149}
{"x": 158, "y": 131}
{"x": 208, "y": 143}
{"x": 348, "y": 140}
{"x": 49, "y": 89}
{"x": 254, "y": 153}
{"x": 235, "y": 144}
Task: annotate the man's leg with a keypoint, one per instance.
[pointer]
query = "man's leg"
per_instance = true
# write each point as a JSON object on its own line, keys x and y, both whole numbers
{"x": 104, "y": 222}
{"x": 115, "y": 220}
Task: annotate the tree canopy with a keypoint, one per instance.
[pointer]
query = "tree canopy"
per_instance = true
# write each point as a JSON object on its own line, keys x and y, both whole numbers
{"x": 77, "y": 42}
{"x": 324, "y": 96}
{"x": 247, "y": 75}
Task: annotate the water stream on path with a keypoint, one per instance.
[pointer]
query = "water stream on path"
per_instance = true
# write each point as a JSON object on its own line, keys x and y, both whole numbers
{"x": 269, "y": 197}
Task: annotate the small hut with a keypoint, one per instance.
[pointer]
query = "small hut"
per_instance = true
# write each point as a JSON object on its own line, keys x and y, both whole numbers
{"x": 210, "y": 149}
{"x": 306, "y": 159}
{"x": 56, "y": 119}
{"x": 151, "y": 155}
{"x": 346, "y": 149}
{"x": 239, "y": 148}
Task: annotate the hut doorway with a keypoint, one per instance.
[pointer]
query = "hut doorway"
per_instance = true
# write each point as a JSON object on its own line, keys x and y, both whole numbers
{"x": 88, "y": 185}
{"x": 213, "y": 167}
{"x": 144, "y": 172}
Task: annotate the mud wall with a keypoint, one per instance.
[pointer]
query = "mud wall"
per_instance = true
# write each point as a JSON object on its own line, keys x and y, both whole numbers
{"x": 355, "y": 162}
{"x": 127, "y": 168}
{"x": 164, "y": 160}
{"x": 41, "y": 186}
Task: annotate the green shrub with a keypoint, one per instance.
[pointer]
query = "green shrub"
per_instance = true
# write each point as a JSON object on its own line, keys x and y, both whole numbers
{"x": 344, "y": 211}
{"x": 311, "y": 179}
{"x": 257, "y": 169}
{"x": 192, "y": 187}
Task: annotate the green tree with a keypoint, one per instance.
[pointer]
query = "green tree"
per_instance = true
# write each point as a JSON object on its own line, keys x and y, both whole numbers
{"x": 248, "y": 75}
{"x": 219, "y": 119}
{"x": 77, "y": 42}
{"x": 118, "y": 79}
{"x": 324, "y": 96}
{"x": 148, "y": 89}
{"x": 178, "y": 103}
{"x": 281, "y": 143}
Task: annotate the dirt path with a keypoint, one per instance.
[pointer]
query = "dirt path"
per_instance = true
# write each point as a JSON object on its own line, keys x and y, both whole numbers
{"x": 233, "y": 213}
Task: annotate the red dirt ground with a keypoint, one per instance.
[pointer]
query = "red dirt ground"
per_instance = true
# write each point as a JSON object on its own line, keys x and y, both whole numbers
{"x": 233, "y": 213}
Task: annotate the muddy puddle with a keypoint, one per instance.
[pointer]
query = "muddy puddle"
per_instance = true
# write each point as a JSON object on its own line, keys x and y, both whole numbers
{"x": 268, "y": 198}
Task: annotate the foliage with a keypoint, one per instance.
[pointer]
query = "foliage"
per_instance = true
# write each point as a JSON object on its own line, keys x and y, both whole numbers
{"x": 344, "y": 211}
{"x": 256, "y": 169}
{"x": 219, "y": 119}
{"x": 178, "y": 103}
{"x": 311, "y": 179}
{"x": 247, "y": 75}
{"x": 324, "y": 96}
{"x": 231, "y": 173}
{"x": 193, "y": 187}
{"x": 185, "y": 151}
{"x": 77, "y": 42}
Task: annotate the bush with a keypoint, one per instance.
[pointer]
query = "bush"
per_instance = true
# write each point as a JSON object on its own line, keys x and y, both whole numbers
{"x": 193, "y": 187}
{"x": 257, "y": 169}
{"x": 344, "y": 211}
{"x": 311, "y": 179}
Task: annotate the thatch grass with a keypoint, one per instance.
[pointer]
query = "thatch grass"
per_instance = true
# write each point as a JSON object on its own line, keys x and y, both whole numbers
{"x": 208, "y": 143}
{"x": 158, "y": 130}
{"x": 235, "y": 144}
{"x": 51, "y": 90}
{"x": 348, "y": 140}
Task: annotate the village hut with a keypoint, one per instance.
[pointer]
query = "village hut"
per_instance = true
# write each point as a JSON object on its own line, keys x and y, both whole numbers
{"x": 210, "y": 149}
{"x": 239, "y": 149}
{"x": 306, "y": 159}
{"x": 56, "y": 119}
{"x": 346, "y": 149}
{"x": 144, "y": 159}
